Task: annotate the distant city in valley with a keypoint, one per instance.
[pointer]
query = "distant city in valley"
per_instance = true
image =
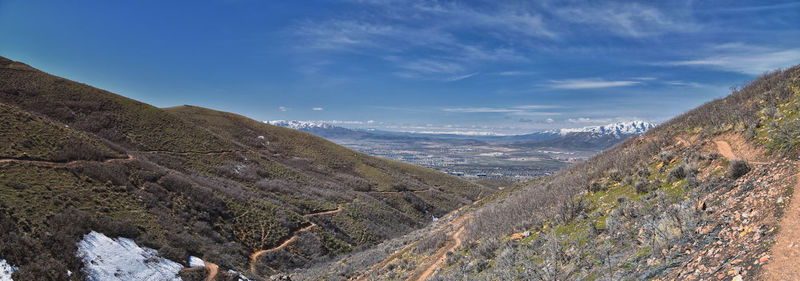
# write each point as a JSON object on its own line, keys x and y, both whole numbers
{"x": 517, "y": 158}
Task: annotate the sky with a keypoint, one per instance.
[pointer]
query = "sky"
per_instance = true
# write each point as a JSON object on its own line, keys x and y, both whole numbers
{"x": 504, "y": 67}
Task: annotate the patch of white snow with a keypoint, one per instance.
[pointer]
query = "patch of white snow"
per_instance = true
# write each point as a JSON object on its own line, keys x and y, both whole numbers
{"x": 241, "y": 277}
{"x": 6, "y": 270}
{"x": 121, "y": 259}
{"x": 196, "y": 262}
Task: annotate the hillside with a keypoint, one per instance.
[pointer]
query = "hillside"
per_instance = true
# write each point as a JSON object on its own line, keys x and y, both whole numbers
{"x": 188, "y": 181}
{"x": 705, "y": 196}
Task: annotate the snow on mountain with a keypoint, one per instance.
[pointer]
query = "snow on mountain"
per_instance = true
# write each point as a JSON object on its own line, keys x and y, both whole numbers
{"x": 300, "y": 125}
{"x": 121, "y": 259}
{"x": 6, "y": 270}
{"x": 621, "y": 128}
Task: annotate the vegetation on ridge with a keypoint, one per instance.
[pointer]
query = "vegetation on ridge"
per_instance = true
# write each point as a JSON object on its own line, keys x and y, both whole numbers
{"x": 247, "y": 196}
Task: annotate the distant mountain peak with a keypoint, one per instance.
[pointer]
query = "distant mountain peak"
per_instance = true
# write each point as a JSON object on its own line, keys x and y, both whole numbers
{"x": 301, "y": 125}
{"x": 620, "y": 128}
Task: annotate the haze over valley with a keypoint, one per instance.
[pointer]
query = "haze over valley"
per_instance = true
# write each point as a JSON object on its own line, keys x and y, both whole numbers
{"x": 508, "y": 157}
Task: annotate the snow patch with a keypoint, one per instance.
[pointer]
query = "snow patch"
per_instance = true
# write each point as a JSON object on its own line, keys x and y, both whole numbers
{"x": 6, "y": 270}
{"x": 196, "y": 262}
{"x": 241, "y": 277}
{"x": 621, "y": 128}
{"x": 121, "y": 259}
{"x": 300, "y": 125}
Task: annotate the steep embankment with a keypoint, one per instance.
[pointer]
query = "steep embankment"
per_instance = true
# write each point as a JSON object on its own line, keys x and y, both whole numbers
{"x": 190, "y": 181}
{"x": 697, "y": 198}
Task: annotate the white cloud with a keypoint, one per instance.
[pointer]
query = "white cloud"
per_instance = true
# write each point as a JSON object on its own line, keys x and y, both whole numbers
{"x": 461, "y": 77}
{"x": 283, "y": 108}
{"x": 579, "y": 120}
{"x": 518, "y": 110}
{"x": 481, "y": 110}
{"x": 684, "y": 84}
{"x": 317, "y": 109}
{"x": 742, "y": 58}
{"x": 589, "y": 83}
{"x": 627, "y": 19}
{"x": 431, "y": 66}
{"x": 549, "y": 120}
{"x": 515, "y": 73}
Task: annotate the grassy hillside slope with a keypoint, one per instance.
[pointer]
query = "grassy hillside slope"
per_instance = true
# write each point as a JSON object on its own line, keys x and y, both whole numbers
{"x": 188, "y": 181}
{"x": 698, "y": 197}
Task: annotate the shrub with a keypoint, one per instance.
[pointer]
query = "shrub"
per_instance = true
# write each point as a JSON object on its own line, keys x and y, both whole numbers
{"x": 433, "y": 242}
{"x": 680, "y": 172}
{"x": 641, "y": 186}
{"x": 737, "y": 169}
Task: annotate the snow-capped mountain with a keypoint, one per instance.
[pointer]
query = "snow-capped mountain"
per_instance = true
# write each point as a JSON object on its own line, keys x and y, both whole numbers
{"x": 620, "y": 128}
{"x": 301, "y": 125}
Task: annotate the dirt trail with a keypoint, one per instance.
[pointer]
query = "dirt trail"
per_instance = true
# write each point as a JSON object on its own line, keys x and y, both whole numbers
{"x": 683, "y": 141}
{"x": 784, "y": 261}
{"x": 440, "y": 256}
{"x": 73, "y": 163}
{"x": 725, "y": 149}
{"x": 338, "y": 209}
{"x": 213, "y": 269}
{"x": 254, "y": 256}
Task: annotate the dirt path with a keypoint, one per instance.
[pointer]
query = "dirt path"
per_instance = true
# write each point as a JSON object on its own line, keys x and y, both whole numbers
{"x": 213, "y": 269}
{"x": 254, "y": 256}
{"x": 440, "y": 256}
{"x": 784, "y": 261}
{"x": 725, "y": 149}
{"x": 683, "y": 141}
{"x": 44, "y": 163}
{"x": 338, "y": 209}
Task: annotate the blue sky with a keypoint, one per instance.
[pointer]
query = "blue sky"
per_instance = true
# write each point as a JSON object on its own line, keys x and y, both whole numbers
{"x": 456, "y": 66}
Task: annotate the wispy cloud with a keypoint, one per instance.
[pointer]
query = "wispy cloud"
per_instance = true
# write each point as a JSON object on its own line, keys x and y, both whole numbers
{"x": 481, "y": 110}
{"x": 627, "y": 19}
{"x": 757, "y": 8}
{"x": 283, "y": 108}
{"x": 742, "y": 58}
{"x": 512, "y": 109}
{"x": 515, "y": 73}
{"x": 522, "y": 110}
{"x": 684, "y": 84}
{"x": 461, "y": 77}
{"x": 589, "y": 83}
{"x": 317, "y": 109}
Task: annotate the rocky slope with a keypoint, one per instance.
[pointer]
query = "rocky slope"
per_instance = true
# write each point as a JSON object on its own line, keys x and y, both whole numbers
{"x": 701, "y": 197}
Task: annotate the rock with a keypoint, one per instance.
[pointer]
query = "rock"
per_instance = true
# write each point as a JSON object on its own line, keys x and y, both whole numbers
{"x": 780, "y": 200}
{"x": 764, "y": 259}
{"x": 737, "y": 278}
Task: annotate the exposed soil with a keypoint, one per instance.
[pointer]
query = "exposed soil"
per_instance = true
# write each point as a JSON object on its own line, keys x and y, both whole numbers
{"x": 440, "y": 256}
{"x": 784, "y": 261}
{"x": 64, "y": 164}
{"x": 254, "y": 256}
{"x": 213, "y": 269}
{"x": 725, "y": 149}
